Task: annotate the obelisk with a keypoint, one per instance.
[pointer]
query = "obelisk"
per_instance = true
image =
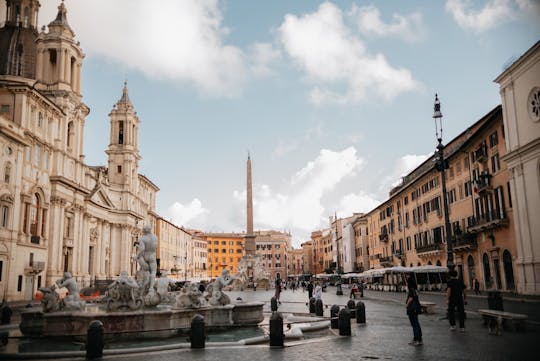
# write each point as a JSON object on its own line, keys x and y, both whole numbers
{"x": 249, "y": 245}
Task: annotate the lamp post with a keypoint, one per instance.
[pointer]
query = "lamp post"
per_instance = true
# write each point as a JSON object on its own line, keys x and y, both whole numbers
{"x": 441, "y": 166}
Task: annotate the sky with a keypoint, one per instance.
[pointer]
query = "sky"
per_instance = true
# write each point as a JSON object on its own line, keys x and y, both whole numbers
{"x": 333, "y": 100}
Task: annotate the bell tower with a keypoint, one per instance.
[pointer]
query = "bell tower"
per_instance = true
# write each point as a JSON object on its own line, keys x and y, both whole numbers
{"x": 123, "y": 150}
{"x": 59, "y": 57}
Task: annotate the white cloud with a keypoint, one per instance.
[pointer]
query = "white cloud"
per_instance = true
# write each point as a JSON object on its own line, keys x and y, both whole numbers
{"x": 368, "y": 20}
{"x": 493, "y": 13}
{"x": 332, "y": 57}
{"x": 181, "y": 41}
{"x": 404, "y": 166}
{"x": 360, "y": 202}
{"x": 298, "y": 207}
{"x": 187, "y": 215}
{"x": 285, "y": 147}
{"x": 262, "y": 55}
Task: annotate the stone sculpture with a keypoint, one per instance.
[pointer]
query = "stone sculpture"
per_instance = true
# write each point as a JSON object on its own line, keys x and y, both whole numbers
{"x": 73, "y": 300}
{"x": 51, "y": 300}
{"x": 162, "y": 287}
{"x": 216, "y": 296}
{"x": 146, "y": 257}
{"x": 124, "y": 292}
{"x": 190, "y": 297}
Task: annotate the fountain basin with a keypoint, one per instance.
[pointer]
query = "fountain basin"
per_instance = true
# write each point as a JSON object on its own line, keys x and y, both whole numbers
{"x": 147, "y": 323}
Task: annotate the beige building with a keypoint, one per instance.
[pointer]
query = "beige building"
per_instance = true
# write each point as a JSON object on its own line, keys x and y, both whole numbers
{"x": 408, "y": 229}
{"x": 307, "y": 257}
{"x": 175, "y": 250}
{"x": 296, "y": 262}
{"x": 273, "y": 248}
{"x": 58, "y": 213}
{"x": 200, "y": 258}
{"x": 520, "y": 96}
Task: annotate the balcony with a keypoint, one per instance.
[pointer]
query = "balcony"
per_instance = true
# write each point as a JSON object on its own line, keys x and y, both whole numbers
{"x": 464, "y": 242}
{"x": 486, "y": 221}
{"x": 399, "y": 254}
{"x": 34, "y": 268}
{"x": 480, "y": 154}
{"x": 386, "y": 261}
{"x": 383, "y": 237}
{"x": 483, "y": 183}
{"x": 430, "y": 248}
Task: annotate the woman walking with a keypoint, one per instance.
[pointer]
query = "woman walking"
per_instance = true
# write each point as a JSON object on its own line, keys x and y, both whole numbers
{"x": 413, "y": 309}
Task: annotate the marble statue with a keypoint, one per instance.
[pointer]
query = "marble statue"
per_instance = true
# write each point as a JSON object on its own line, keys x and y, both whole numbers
{"x": 216, "y": 296}
{"x": 162, "y": 288}
{"x": 51, "y": 299}
{"x": 190, "y": 297}
{"x": 73, "y": 300}
{"x": 124, "y": 292}
{"x": 146, "y": 257}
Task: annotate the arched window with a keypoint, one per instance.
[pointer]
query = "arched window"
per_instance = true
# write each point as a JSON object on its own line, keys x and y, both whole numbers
{"x": 487, "y": 272}
{"x": 508, "y": 270}
{"x": 35, "y": 210}
{"x": 40, "y": 119}
{"x": 120, "y": 132}
{"x": 438, "y": 263}
{"x": 7, "y": 173}
{"x": 70, "y": 132}
{"x": 429, "y": 263}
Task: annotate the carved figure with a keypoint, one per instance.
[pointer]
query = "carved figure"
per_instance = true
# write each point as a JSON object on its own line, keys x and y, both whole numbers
{"x": 216, "y": 296}
{"x": 124, "y": 292}
{"x": 190, "y": 297}
{"x": 162, "y": 287}
{"x": 73, "y": 300}
{"x": 146, "y": 257}
{"x": 51, "y": 300}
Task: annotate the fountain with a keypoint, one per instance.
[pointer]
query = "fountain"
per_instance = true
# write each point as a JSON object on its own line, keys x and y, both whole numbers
{"x": 140, "y": 307}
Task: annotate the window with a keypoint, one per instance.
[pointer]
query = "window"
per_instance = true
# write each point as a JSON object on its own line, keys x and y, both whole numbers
{"x": 495, "y": 165}
{"x": 1, "y": 269}
{"x": 4, "y": 108}
{"x": 5, "y": 216}
{"x": 37, "y": 159}
{"x": 509, "y": 194}
{"x": 120, "y": 132}
{"x": 119, "y": 169}
{"x": 70, "y": 133}
{"x": 468, "y": 188}
{"x": 19, "y": 283}
{"x": 466, "y": 163}
{"x": 40, "y": 119}
{"x": 499, "y": 201}
{"x": 493, "y": 139}
{"x": 7, "y": 173}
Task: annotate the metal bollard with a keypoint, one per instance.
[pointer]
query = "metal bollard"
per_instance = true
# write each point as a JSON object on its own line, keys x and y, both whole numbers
{"x": 360, "y": 312}
{"x": 344, "y": 322}
{"x": 197, "y": 336}
{"x": 319, "y": 311}
{"x": 276, "y": 330}
{"x": 334, "y": 311}
{"x": 273, "y": 304}
{"x": 312, "y": 301}
{"x": 95, "y": 340}
{"x": 352, "y": 308}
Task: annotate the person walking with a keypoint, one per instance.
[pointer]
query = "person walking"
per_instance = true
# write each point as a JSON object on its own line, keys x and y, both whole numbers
{"x": 412, "y": 305}
{"x": 278, "y": 289}
{"x": 476, "y": 286}
{"x": 456, "y": 298}
{"x": 318, "y": 292}
{"x": 310, "y": 290}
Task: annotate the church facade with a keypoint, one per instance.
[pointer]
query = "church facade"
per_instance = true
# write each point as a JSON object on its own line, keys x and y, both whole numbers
{"x": 58, "y": 213}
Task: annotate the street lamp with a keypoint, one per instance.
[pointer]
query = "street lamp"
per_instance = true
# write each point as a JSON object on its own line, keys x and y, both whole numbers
{"x": 441, "y": 166}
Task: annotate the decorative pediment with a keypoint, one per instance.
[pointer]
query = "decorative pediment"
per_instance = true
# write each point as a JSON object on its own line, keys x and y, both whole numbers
{"x": 100, "y": 197}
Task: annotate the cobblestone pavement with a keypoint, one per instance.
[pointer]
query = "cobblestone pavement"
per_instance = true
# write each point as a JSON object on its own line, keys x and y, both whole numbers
{"x": 384, "y": 337}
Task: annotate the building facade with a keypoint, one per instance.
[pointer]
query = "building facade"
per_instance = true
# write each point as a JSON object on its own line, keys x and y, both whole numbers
{"x": 520, "y": 96}
{"x": 176, "y": 251}
{"x": 224, "y": 251}
{"x": 273, "y": 248}
{"x": 58, "y": 213}
{"x": 408, "y": 229}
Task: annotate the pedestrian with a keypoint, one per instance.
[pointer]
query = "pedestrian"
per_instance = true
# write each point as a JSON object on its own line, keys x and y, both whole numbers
{"x": 278, "y": 289}
{"x": 318, "y": 292}
{"x": 412, "y": 304}
{"x": 310, "y": 290}
{"x": 476, "y": 286}
{"x": 354, "y": 291}
{"x": 6, "y": 313}
{"x": 456, "y": 298}
{"x": 361, "y": 289}
{"x": 254, "y": 286}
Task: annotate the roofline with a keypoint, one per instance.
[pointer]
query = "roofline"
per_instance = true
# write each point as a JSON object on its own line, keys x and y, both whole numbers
{"x": 518, "y": 62}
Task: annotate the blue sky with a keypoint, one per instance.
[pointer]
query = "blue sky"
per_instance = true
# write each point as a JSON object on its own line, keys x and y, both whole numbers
{"x": 333, "y": 100}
